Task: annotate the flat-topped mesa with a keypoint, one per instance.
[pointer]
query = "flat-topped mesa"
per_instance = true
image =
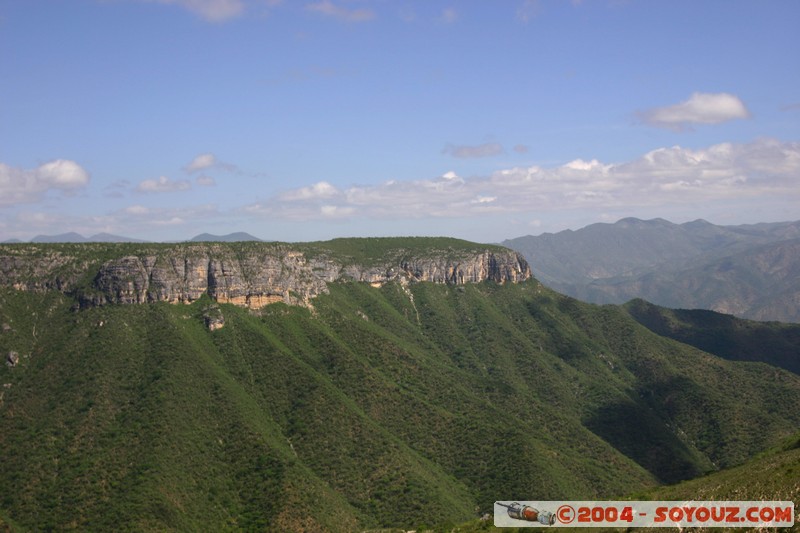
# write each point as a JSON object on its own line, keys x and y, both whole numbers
{"x": 251, "y": 275}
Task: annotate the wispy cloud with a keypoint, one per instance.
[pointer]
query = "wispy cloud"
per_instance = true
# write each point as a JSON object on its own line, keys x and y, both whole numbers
{"x": 700, "y": 108}
{"x": 449, "y": 15}
{"x": 521, "y": 149}
{"x": 116, "y": 189}
{"x": 139, "y": 217}
{"x": 467, "y": 151}
{"x": 757, "y": 173}
{"x": 201, "y": 162}
{"x": 320, "y": 190}
{"x": 528, "y": 10}
{"x": 137, "y": 210}
{"x": 218, "y": 11}
{"x": 328, "y": 8}
{"x": 666, "y": 176}
{"x": 210, "y": 10}
{"x": 208, "y": 161}
{"x": 163, "y": 184}
{"x": 19, "y": 186}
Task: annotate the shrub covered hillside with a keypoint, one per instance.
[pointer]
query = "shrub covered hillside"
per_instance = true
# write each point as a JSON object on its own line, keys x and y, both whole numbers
{"x": 394, "y": 406}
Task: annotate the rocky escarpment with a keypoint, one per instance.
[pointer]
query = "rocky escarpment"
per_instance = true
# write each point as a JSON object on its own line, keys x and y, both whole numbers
{"x": 252, "y": 279}
{"x": 245, "y": 274}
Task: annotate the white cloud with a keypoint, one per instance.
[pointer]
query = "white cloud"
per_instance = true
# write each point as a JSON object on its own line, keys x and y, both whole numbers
{"x": 451, "y": 176}
{"x": 484, "y": 200}
{"x": 336, "y": 211}
{"x": 201, "y": 162}
{"x": 759, "y": 175}
{"x": 208, "y": 162}
{"x": 205, "y": 181}
{"x": 580, "y": 164}
{"x": 163, "y": 184}
{"x": 700, "y": 108}
{"x": 63, "y": 174}
{"x": 18, "y": 186}
{"x": 173, "y": 221}
{"x": 319, "y": 200}
{"x": 480, "y": 150}
{"x": 328, "y": 8}
{"x": 137, "y": 210}
{"x": 663, "y": 177}
{"x": 321, "y": 190}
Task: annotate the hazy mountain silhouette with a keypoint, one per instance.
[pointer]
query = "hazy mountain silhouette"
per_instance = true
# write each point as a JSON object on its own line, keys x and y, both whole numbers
{"x": 752, "y": 271}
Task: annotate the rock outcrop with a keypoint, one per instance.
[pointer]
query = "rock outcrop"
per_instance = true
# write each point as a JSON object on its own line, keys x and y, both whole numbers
{"x": 251, "y": 275}
{"x": 213, "y": 318}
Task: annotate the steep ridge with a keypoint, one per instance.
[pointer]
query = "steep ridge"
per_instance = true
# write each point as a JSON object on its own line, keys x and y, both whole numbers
{"x": 724, "y": 335}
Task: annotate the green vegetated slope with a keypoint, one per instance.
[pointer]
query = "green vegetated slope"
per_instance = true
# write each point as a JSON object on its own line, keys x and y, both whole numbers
{"x": 773, "y": 475}
{"x": 724, "y": 335}
{"x": 381, "y": 407}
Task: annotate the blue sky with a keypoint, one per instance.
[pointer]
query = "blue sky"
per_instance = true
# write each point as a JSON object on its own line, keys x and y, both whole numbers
{"x": 307, "y": 120}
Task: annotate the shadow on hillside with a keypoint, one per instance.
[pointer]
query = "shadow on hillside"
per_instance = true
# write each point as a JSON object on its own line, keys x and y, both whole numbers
{"x": 640, "y": 435}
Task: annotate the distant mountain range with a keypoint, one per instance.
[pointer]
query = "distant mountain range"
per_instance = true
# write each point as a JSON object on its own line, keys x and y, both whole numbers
{"x": 77, "y": 237}
{"x": 752, "y": 271}
{"x": 231, "y": 237}
{"x": 72, "y": 237}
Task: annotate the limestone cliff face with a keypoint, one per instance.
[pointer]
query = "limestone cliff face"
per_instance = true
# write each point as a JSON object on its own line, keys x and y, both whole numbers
{"x": 253, "y": 279}
{"x": 251, "y": 275}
